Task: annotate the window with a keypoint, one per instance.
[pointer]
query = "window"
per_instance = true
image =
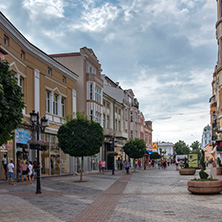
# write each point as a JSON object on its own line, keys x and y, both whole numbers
{"x": 131, "y": 116}
{"x": 126, "y": 114}
{"x": 104, "y": 121}
{"x": 107, "y": 122}
{"x": 119, "y": 126}
{"x": 150, "y": 139}
{"x": 21, "y": 83}
{"x": 22, "y": 55}
{"x": 6, "y": 40}
{"x": 116, "y": 127}
{"x": 63, "y": 106}
{"x": 48, "y": 98}
{"x": 90, "y": 69}
{"x": 49, "y": 72}
{"x": 120, "y": 112}
{"x": 87, "y": 67}
{"x": 91, "y": 115}
{"x": 131, "y": 134}
{"x": 91, "y": 91}
{"x": 55, "y": 104}
{"x": 64, "y": 79}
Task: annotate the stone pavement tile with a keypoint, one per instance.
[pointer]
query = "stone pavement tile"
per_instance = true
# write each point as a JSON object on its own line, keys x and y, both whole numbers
{"x": 15, "y": 209}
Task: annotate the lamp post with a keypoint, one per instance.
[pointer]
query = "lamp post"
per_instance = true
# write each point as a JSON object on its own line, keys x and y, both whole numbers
{"x": 38, "y": 126}
{"x": 112, "y": 142}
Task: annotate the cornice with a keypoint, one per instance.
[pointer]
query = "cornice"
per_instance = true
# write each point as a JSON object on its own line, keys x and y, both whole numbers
{"x": 7, "y": 26}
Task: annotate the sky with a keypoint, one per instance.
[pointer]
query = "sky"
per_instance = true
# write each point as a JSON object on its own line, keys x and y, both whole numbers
{"x": 164, "y": 50}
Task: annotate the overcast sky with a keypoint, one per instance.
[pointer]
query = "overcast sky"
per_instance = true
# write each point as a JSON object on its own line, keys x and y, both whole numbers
{"x": 165, "y": 50}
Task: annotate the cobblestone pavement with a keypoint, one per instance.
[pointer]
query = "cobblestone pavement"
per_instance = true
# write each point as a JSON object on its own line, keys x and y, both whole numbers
{"x": 152, "y": 195}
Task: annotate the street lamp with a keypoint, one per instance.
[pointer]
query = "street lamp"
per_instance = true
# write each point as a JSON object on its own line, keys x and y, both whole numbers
{"x": 38, "y": 127}
{"x": 112, "y": 143}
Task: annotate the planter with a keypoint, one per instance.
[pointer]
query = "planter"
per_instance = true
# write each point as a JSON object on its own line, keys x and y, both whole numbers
{"x": 219, "y": 171}
{"x": 187, "y": 171}
{"x": 205, "y": 187}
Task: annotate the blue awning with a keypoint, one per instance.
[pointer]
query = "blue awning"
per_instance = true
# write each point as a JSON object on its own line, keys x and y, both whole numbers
{"x": 149, "y": 152}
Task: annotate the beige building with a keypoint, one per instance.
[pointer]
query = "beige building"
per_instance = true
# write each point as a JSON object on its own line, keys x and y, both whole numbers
{"x": 49, "y": 88}
{"x": 89, "y": 90}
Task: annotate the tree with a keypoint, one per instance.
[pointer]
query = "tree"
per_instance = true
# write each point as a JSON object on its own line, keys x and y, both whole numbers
{"x": 80, "y": 137}
{"x": 181, "y": 148}
{"x": 155, "y": 155}
{"x": 135, "y": 149}
{"x": 196, "y": 147}
{"x": 11, "y": 102}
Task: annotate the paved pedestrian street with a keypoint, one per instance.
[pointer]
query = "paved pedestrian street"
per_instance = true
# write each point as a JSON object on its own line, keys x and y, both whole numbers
{"x": 148, "y": 195}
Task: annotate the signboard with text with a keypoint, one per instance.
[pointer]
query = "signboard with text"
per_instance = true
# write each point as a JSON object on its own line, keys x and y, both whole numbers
{"x": 193, "y": 160}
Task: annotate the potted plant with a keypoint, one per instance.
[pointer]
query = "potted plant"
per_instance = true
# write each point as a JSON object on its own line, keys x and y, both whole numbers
{"x": 206, "y": 184}
{"x": 38, "y": 144}
{"x": 186, "y": 170}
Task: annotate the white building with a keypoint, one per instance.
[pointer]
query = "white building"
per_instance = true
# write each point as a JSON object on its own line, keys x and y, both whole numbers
{"x": 165, "y": 147}
{"x": 206, "y": 136}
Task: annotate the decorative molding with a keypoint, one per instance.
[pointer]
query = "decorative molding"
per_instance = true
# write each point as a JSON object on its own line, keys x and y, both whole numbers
{"x": 2, "y": 47}
{"x": 56, "y": 119}
{"x": 53, "y": 90}
{"x": 56, "y": 82}
{"x": 17, "y": 70}
{"x": 13, "y": 33}
{"x": 49, "y": 117}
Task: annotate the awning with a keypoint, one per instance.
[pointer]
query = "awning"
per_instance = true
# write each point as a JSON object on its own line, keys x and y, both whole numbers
{"x": 149, "y": 152}
{"x": 219, "y": 148}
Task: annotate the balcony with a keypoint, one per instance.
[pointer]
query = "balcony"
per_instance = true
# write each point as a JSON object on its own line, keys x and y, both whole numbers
{"x": 108, "y": 132}
{"x": 213, "y": 101}
{"x": 121, "y": 134}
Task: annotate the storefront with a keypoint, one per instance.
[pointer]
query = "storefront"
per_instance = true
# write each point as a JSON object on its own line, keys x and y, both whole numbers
{"x": 54, "y": 161}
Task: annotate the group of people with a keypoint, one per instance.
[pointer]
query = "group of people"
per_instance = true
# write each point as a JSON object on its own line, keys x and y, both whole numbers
{"x": 25, "y": 170}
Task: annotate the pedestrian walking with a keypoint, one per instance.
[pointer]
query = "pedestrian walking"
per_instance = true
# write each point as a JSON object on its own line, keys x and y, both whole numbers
{"x": 121, "y": 165}
{"x": 124, "y": 166}
{"x": 164, "y": 164}
{"x": 34, "y": 172}
{"x": 4, "y": 164}
{"x": 140, "y": 164}
{"x": 100, "y": 167}
{"x": 136, "y": 164}
{"x": 11, "y": 171}
{"x": 127, "y": 167}
{"x": 24, "y": 171}
{"x": 19, "y": 171}
{"x": 103, "y": 166}
{"x": 159, "y": 164}
{"x": 176, "y": 166}
{"x": 30, "y": 171}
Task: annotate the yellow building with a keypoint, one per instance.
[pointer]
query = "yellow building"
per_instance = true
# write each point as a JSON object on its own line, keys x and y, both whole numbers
{"x": 49, "y": 88}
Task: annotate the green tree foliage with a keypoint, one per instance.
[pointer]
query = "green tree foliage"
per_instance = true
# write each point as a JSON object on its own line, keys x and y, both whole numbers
{"x": 155, "y": 155}
{"x": 196, "y": 147}
{"x": 202, "y": 173}
{"x": 11, "y": 103}
{"x": 181, "y": 148}
{"x": 80, "y": 137}
{"x": 135, "y": 148}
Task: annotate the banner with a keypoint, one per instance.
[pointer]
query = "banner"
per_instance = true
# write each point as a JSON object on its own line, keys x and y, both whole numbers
{"x": 154, "y": 147}
{"x": 193, "y": 160}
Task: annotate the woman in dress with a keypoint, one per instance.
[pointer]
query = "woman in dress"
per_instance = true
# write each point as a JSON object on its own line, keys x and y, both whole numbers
{"x": 24, "y": 171}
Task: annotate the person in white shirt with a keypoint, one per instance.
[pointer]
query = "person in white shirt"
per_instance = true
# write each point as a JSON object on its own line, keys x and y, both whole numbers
{"x": 30, "y": 171}
{"x": 11, "y": 171}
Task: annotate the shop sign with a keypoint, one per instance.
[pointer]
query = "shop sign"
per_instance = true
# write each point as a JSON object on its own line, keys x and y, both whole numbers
{"x": 19, "y": 149}
{"x": 23, "y": 135}
{"x": 193, "y": 160}
{"x": 154, "y": 147}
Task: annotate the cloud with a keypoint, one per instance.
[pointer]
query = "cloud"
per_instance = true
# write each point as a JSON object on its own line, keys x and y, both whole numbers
{"x": 51, "y": 8}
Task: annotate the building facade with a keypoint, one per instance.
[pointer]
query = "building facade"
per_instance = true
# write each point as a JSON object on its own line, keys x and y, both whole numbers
{"x": 206, "y": 136}
{"x": 49, "y": 88}
{"x": 216, "y": 99}
{"x": 166, "y": 149}
{"x": 113, "y": 121}
{"x": 89, "y": 91}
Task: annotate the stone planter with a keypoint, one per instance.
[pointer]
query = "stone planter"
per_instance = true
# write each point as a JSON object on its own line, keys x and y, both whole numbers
{"x": 219, "y": 171}
{"x": 205, "y": 187}
{"x": 187, "y": 171}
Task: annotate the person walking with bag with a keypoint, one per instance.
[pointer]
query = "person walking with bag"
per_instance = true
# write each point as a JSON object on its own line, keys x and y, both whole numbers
{"x": 4, "y": 163}
{"x": 24, "y": 171}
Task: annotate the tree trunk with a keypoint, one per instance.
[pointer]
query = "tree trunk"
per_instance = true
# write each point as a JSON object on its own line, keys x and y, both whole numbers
{"x": 134, "y": 165}
{"x": 81, "y": 171}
